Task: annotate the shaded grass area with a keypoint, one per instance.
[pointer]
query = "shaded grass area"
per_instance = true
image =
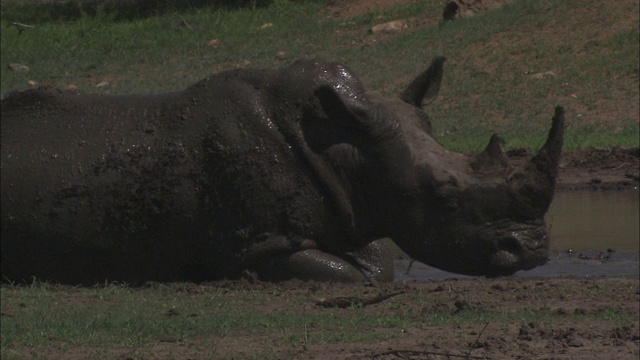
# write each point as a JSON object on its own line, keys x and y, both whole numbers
{"x": 41, "y": 11}
{"x": 490, "y": 85}
{"x": 120, "y": 317}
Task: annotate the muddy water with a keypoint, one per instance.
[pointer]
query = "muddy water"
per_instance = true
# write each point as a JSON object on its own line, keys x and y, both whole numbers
{"x": 595, "y": 220}
{"x": 593, "y": 234}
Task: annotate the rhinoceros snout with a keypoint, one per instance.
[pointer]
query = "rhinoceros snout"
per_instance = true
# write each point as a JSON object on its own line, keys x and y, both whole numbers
{"x": 510, "y": 245}
{"x": 521, "y": 250}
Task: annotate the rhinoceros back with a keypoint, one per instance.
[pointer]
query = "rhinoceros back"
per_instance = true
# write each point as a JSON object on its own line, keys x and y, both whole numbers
{"x": 138, "y": 188}
{"x": 88, "y": 180}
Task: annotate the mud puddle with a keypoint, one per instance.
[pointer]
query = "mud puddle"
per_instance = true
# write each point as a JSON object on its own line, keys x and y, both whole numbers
{"x": 595, "y": 220}
{"x": 593, "y": 234}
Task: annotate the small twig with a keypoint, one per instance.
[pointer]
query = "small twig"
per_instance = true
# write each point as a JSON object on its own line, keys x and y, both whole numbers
{"x": 399, "y": 353}
{"x": 347, "y": 301}
{"x": 472, "y": 346}
{"x": 185, "y": 22}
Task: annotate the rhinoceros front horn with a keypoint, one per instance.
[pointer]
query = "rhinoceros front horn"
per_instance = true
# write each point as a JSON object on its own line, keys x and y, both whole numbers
{"x": 533, "y": 187}
{"x": 549, "y": 155}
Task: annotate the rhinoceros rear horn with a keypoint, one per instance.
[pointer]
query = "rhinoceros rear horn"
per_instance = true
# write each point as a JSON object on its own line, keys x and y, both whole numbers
{"x": 424, "y": 88}
{"x": 534, "y": 186}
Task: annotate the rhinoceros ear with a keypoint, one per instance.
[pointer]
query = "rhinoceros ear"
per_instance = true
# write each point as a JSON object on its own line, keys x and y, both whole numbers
{"x": 348, "y": 107}
{"x": 424, "y": 88}
{"x": 343, "y": 119}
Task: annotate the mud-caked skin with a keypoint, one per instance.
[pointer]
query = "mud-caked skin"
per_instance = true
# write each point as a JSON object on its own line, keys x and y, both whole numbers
{"x": 287, "y": 173}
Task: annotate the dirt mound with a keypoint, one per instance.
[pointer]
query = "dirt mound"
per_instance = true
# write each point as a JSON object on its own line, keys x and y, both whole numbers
{"x": 614, "y": 168}
{"x": 465, "y": 8}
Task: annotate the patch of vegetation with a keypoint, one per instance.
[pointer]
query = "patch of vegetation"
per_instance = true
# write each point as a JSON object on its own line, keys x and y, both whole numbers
{"x": 119, "y": 317}
{"x": 499, "y": 76}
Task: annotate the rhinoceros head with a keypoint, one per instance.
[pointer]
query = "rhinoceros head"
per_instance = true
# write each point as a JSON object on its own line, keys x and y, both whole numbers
{"x": 481, "y": 217}
{"x": 474, "y": 215}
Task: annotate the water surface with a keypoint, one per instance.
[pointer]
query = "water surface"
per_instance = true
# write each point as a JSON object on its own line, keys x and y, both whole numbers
{"x": 595, "y": 220}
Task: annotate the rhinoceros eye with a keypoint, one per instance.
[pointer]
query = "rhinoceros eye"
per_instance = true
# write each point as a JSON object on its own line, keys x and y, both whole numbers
{"x": 424, "y": 122}
{"x": 453, "y": 204}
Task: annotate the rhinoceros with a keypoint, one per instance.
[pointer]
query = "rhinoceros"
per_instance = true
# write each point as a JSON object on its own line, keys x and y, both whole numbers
{"x": 294, "y": 172}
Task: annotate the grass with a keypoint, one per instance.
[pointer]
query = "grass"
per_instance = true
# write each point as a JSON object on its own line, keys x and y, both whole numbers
{"x": 121, "y": 317}
{"x": 487, "y": 88}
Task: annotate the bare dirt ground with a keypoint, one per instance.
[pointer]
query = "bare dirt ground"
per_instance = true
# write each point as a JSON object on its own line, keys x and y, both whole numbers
{"x": 575, "y": 336}
{"x": 614, "y": 168}
{"x": 573, "y": 319}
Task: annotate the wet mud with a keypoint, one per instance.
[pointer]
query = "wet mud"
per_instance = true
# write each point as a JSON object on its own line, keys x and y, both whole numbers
{"x": 574, "y": 264}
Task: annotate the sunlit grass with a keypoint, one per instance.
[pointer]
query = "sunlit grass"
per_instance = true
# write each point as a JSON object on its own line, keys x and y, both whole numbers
{"x": 488, "y": 85}
{"x": 121, "y": 316}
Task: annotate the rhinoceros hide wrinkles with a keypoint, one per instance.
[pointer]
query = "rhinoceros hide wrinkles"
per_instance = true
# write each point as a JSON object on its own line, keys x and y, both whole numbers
{"x": 296, "y": 172}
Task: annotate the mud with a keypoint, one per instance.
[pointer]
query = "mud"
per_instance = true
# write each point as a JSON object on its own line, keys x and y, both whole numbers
{"x": 594, "y": 169}
{"x": 567, "y": 264}
{"x": 572, "y": 336}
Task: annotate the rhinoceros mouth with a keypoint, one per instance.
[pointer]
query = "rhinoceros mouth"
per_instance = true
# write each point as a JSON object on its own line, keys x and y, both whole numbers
{"x": 520, "y": 246}
{"x": 506, "y": 263}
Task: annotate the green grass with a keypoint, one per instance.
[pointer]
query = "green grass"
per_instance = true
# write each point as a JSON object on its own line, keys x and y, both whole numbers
{"x": 487, "y": 86}
{"x": 118, "y": 316}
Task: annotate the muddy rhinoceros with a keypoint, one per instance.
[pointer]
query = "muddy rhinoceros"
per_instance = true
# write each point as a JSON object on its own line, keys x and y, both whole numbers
{"x": 289, "y": 173}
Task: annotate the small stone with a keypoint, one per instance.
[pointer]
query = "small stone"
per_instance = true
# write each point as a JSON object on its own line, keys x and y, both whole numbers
{"x": 21, "y": 27}
{"x": 19, "y": 68}
{"x": 561, "y": 311}
{"x": 214, "y": 42}
{"x": 265, "y": 26}
{"x": 169, "y": 339}
{"x": 389, "y": 27}
{"x": 461, "y": 304}
{"x": 102, "y": 84}
{"x": 32, "y": 83}
{"x": 543, "y": 75}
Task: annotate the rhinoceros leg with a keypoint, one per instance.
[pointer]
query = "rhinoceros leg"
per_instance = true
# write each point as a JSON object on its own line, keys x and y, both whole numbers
{"x": 375, "y": 260}
{"x": 279, "y": 258}
{"x": 372, "y": 262}
{"x": 317, "y": 265}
